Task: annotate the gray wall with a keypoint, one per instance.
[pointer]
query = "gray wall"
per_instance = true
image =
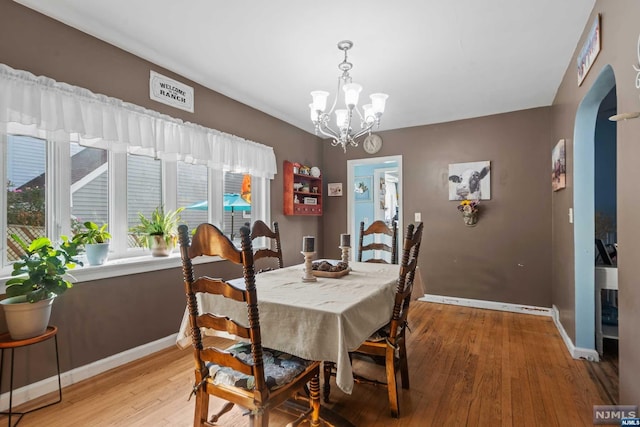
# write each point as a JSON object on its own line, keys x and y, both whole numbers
{"x": 619, "y": 50}
{"x": 507, "y": 256}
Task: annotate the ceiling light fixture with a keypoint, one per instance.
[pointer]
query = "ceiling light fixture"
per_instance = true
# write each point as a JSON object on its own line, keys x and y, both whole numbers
{"x": 369, "y": 117}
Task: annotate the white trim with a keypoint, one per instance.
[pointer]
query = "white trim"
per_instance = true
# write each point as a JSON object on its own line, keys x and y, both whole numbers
{"x": 489, "y": 305}
{"x": 575, "y": 352}
{"x": 121, "y": 267}
{"x": 48, "y": 385}
{"x": 354, "y": 228}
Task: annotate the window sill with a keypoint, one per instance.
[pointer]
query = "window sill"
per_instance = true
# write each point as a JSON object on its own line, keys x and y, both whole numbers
{"x": 122, "y": 267}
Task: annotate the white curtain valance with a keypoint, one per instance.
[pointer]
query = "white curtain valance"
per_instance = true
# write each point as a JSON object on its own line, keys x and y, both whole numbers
{"x": 104, "y": 122}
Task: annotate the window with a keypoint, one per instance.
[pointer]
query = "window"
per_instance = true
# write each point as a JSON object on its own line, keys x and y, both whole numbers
{"x": 94, "y": 184}
{"x": 89, "y": 186}
{"x": 193, "y": 194}
{"x": 26, "y": 180}
{"x": 144, "y": 189}
{"x": 78, "y": 166}
{"x": 236, "y": 203}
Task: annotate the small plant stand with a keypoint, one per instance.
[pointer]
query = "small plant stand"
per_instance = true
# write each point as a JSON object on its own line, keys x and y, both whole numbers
{"x": 7, "y": 343}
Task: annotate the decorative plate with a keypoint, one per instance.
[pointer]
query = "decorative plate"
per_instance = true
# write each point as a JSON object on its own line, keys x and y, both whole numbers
{"x": 315, "y": 171}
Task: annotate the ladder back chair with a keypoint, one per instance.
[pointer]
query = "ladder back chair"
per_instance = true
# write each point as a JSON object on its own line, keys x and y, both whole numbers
{"x": 260, "y": 229}
{"x": 388, "y": 343}
{"x": 247, "y": 374}
{"x": 378, "y": 230}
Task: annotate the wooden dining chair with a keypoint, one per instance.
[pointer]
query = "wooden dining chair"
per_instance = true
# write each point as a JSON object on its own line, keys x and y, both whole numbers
{"x": 388, "y": 343}
{"x": 377, "y": 231}
{"x": 274, "y": 251}
{"x": 247, "y": 374}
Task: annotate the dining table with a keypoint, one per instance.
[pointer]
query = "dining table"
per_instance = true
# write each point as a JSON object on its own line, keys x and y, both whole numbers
{"x": 322, "y": 320}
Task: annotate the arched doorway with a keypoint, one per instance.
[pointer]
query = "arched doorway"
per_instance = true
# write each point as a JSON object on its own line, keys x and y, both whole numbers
{"x": 584, "y": 207}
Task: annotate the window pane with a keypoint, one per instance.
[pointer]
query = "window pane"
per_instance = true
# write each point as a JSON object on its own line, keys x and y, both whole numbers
{"x": 237, "y": 203}
{"x": 26, "y": 180}
{"x": 89, "y": 186}
{"x": 192, "y": 194}
{"x": 144, "y": 189}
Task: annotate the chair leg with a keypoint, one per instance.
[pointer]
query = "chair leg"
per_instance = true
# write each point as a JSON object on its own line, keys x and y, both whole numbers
{"x": 392, "y": 386}
{"x": 202, "y": 408}
{"x": 314, "y": 400}
{"x": 404, "y": 365}
{"x": 327, "y": 367}
{"x": 259, "y": 418}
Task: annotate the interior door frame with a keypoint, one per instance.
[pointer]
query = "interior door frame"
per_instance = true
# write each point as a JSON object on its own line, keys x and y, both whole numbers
{"x": 351, "y": 223}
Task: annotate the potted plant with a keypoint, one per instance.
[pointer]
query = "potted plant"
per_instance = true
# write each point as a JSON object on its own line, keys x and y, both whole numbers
{"x": 39, "y": 277}
{"x": 95, "y": 240}
{"x": 158, "y": 232}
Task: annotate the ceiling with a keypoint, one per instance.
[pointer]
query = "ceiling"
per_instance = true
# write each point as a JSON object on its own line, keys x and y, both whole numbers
{"x": 438, "y": 60}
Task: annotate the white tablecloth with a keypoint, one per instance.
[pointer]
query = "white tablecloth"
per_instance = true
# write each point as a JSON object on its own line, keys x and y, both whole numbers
{"x": 321, "y": 320}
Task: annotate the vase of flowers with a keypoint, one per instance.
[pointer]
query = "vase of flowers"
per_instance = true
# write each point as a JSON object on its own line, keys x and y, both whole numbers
{"x": 470, "y": 210}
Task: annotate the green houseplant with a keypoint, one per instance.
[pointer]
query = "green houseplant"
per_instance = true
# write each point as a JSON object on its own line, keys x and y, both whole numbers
{"x": 39, "y": 276}
{"x": 95, "y": 240}
{"x": 158, "y": 232}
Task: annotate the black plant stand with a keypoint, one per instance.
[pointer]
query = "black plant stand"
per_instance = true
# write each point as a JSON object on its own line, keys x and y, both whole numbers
{"x": 7, "y": 343}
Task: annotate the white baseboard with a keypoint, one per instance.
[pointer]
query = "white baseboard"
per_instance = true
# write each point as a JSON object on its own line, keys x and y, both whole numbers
{"x": 48, "y": 385}
{"x": 489, "y": 305}
{"x": 575, "y": 352}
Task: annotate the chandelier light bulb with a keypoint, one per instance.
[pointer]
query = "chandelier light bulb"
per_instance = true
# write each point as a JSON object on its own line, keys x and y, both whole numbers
{"x": 342, "y": 117}
{"x": 368, "y": 114}
{"x": 378, "y": 100}
{"x": 351, "y": 94}
{"x": 319, "y": 100}
{"x": 314, "y": 113}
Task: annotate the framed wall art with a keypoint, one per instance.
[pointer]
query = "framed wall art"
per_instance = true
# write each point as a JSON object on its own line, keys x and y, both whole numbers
{"x": 589, "y": 51}
{"x": 362, "y": 188}
{"x": 470, "y": 181}
{"x": 334, "y": 189}
{"x": 558, "y": 166}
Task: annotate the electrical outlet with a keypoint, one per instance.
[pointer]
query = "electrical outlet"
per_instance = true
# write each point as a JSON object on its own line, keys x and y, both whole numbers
{"x": 417, "y": 217}
{"x": 570, "y": 215}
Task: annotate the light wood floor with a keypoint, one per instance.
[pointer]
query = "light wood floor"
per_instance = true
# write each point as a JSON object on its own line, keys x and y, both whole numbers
{"x": 469, "y": 367}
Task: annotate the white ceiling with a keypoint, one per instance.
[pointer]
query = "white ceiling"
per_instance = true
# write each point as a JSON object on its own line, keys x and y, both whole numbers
{"x": 438, "y": 60}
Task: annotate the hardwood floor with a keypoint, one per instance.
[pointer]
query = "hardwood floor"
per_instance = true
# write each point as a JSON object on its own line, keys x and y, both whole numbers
{"x": 469, "y": 367}
{"x": 606, "y": 371}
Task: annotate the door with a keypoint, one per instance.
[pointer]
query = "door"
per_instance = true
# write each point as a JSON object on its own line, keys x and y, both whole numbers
{"x": 364, "y": 194}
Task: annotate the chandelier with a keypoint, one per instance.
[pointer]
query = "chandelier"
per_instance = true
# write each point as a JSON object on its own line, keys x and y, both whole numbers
{"x": 369, "y": 117}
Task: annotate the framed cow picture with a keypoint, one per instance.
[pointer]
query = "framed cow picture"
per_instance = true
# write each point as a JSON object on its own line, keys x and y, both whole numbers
{"x": 470, "y": 181}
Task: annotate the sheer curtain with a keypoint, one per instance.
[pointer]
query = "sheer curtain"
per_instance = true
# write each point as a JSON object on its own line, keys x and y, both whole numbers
{"x": 40, "y": 104}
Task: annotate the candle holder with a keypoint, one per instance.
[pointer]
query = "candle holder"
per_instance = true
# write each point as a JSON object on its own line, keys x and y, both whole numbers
{"x": 308, "y": 268}
{"x": 345, "y": 253}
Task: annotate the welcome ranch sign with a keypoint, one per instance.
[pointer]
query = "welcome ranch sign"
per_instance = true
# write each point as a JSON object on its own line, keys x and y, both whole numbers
{"x": 171, "y": 92}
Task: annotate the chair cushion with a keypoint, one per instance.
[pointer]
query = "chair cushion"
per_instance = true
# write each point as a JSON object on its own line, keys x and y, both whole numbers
{"x": 279, "y": 368}
{"x": 381, "y": 334}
